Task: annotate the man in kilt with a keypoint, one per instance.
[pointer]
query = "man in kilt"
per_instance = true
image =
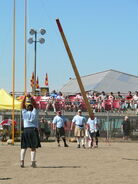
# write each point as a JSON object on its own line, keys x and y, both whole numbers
{"x": 79, "y": 121}
{"x": 30, "y": 137}
{"x": 93, "y": 130}
{"x": 59, "y": 122}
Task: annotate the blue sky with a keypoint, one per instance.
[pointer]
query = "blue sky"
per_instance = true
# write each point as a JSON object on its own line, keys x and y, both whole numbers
{"x": 102, "y": 35}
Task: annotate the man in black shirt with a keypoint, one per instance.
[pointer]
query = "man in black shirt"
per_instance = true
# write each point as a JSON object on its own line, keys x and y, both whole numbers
{"x": 126, "y": 128}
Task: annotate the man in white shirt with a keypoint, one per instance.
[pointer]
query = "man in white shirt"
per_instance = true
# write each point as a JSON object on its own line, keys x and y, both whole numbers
{"x": 59, "y": 122}
{"x": 79, "y": 121}
{"x": 93, "y": 131}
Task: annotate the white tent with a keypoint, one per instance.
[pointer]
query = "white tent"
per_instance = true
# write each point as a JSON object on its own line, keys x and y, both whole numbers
{"x": 108, "y": 81}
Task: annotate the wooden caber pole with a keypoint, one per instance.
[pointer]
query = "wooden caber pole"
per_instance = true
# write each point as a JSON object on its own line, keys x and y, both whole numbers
{"x": 90, "y": 110}
{"x": 25, "y": 46}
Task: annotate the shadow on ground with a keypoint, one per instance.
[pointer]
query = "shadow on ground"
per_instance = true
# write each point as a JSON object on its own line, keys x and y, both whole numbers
{"x": 5, "y": 178}
{"x": 58, "y": 167}
{"x": 134, "y": 159}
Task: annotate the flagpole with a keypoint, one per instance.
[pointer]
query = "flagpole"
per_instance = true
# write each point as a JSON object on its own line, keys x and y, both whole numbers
{"x": 25, "y": 47}
{"x": 13, "y": 69}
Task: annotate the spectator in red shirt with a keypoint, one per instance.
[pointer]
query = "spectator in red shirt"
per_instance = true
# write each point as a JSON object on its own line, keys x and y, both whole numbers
{"x": 128, "y": 100}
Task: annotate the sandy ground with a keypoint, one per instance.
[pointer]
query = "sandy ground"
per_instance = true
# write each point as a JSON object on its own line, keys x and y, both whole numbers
{"x": 109, "y": 164}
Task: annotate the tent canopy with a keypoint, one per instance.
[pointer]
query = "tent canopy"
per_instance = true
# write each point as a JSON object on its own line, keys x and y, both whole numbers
{"x": 108, "y": 81}
{"x": 6, "y": 101}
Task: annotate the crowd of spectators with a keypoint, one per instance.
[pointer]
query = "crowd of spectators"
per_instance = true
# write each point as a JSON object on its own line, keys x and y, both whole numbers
{"x": 100, "y": 102}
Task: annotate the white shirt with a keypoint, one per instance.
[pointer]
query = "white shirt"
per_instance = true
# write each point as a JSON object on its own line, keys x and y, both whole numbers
{"x": 135, "y": 97}
{"x": 79, "y": 120}
{"x": 30, "y": 118}
{"x": 92, "y": 124}
{"x": 59, "y": 121}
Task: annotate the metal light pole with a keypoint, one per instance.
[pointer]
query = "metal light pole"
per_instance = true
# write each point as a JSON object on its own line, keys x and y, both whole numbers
{"x": 35, "y": 41}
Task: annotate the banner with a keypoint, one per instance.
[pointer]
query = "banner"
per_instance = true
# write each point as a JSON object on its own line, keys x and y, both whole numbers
{"x": 32, "y": 80}
{"x": 37, "y": 83}
{"x": 46, "y": 80}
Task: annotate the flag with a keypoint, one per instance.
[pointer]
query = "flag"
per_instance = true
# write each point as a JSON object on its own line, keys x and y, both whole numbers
{"x": 46, "y": 80}
{"x": 32, "y": 80}
{"x": 37, "y": 83}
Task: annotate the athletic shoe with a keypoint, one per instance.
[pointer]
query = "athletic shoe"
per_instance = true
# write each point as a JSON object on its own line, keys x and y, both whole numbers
{"x": 33, "y": 164}
{"x": 66, "y": 145}
{"x": 78, "y": 146}
{"x": 83, "y": 146}
{"x": 22, "y": 164}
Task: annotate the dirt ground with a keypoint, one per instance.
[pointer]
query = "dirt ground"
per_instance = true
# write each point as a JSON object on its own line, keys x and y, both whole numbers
{"x": 116, "y": 163}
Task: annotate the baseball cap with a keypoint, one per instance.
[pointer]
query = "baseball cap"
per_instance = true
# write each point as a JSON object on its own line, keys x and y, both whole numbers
{"x": 79, "y": 110}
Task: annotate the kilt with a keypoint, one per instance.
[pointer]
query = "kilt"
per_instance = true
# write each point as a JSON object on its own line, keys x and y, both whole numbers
{"x": 79, "y": 132}
{"x": 94, "y": 134}
{"x": 60, "y": 132}
{"x": 30, "y": 138}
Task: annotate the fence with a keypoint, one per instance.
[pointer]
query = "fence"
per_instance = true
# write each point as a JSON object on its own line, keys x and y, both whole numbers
{"x": 109, "y": 123}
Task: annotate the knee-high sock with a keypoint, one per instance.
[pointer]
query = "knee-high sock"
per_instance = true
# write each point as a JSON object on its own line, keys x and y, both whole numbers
{"x": 96, "y": 139}
{"x": 64, "y": 140}
{"x": 78, "y": 140}
{"x": 23, "y": 151}
{"x": 90, "y": 143}
{"x": 86, "y": 141}
{"x": 82, "y": 140}
{"x": 33, "y": 155}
